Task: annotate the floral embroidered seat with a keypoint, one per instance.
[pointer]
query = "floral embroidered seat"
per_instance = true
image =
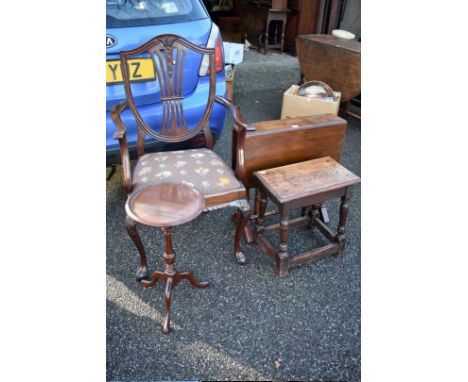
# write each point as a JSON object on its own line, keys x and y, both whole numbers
{"x": 201, "y": 169}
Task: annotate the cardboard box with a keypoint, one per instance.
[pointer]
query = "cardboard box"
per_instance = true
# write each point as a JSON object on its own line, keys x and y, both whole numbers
{"x": 233, "y": 53}
{"x": 298, "y": 106}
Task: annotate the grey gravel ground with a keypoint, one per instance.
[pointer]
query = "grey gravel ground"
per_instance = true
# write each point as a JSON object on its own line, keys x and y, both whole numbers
{"x": 248, "y": 318}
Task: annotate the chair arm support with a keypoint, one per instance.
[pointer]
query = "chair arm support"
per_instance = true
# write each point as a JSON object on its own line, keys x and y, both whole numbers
{"x": 115, "y": 115}
{"x": 240, "y": 130}
{"x": 120, "y": 134}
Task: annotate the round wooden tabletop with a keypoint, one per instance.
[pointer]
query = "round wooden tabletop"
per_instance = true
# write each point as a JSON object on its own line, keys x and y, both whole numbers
{"x": 165, "y": 205}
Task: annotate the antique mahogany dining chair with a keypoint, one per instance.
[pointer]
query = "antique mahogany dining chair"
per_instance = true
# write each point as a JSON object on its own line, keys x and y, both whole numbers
{"x": 200, "y": 168}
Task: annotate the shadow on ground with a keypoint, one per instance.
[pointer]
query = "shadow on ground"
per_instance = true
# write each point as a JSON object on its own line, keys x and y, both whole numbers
{"x": 248, "y": 318}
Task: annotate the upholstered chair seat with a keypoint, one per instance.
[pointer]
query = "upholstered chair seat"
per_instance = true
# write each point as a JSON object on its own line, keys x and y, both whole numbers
{"x": 201, "y": 169}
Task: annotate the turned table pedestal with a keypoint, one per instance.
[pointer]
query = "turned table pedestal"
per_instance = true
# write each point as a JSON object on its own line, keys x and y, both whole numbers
{"x": 166, "y": 205}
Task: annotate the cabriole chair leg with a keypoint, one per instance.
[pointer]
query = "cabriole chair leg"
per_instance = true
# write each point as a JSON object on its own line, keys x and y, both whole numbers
{"x": 244, "y": 210}
{"x": 130, "y": 226}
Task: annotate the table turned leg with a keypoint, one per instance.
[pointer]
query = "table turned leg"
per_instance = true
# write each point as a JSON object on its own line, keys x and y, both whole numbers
{"x": 130, "y": 227}
{"x": 244, "y": 209}
{"x": 190, "y": 277}
{"x": 169, "y": 256}
{"x": 340, "y": 237}
{"x": 168, "y": 300}
{"x": 169, "y": 260}
{"x": 171, "y": 277}
{"x": 282, "y": 256}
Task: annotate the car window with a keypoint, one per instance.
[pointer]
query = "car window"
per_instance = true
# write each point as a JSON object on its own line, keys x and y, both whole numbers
{"x": 127, "y": 13}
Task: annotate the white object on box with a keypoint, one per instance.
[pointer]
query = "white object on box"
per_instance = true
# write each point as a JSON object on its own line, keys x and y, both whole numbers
{"x": 233, "y": 52}
{"x": 299, "y": 106}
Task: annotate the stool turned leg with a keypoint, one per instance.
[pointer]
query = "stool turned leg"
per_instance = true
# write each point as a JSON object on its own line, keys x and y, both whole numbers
{"x": 130, "y": 227}
{"x": 262, "y": 204}
{"x": 340, "y": 237}
{"x": 313, "y": 214}
{"x": 257, "y": 201}
{"x": 244, "y": 208}
{"x": 282, "y": 257}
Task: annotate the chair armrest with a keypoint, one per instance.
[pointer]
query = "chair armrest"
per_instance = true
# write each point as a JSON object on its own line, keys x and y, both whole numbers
{"x": 115, "y": 115}
{"x": 238, "y": 138}
{"x": 120, "y": 134}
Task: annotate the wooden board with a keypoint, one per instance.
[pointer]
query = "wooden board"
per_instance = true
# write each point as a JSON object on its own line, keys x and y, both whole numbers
{"x": 281, "y": 142}
{"x": 332, "y": 60}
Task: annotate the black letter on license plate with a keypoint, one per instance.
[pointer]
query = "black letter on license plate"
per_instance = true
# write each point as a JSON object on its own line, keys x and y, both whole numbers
{"x": 113, "y": 69}
{"x": 135, "y": 72}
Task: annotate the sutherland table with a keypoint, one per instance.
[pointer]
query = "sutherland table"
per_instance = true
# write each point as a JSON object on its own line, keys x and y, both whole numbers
{"x": 301, "y": 185}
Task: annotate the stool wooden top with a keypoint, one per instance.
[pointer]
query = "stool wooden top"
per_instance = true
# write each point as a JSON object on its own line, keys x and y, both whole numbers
{"x": 165, "y": 205}
{"x": 307, "y": 178}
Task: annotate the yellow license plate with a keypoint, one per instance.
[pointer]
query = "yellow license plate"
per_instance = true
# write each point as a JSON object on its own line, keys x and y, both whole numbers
{"x": 140, "y": 69}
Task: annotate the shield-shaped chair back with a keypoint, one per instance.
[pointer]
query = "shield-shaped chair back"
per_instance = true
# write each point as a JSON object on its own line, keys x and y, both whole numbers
{"x": 169, "y": 53}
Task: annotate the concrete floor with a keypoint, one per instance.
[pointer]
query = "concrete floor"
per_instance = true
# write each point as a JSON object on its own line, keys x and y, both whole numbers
{"x": 248, "y": 318}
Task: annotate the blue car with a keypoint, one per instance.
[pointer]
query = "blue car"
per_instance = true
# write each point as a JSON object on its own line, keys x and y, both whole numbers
{"x": 130, "y": 23}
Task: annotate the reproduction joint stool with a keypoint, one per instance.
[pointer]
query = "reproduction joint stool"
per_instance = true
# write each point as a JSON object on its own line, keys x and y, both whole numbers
{"x": 301, "y": 185}
{"x": 166, "y": 205}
